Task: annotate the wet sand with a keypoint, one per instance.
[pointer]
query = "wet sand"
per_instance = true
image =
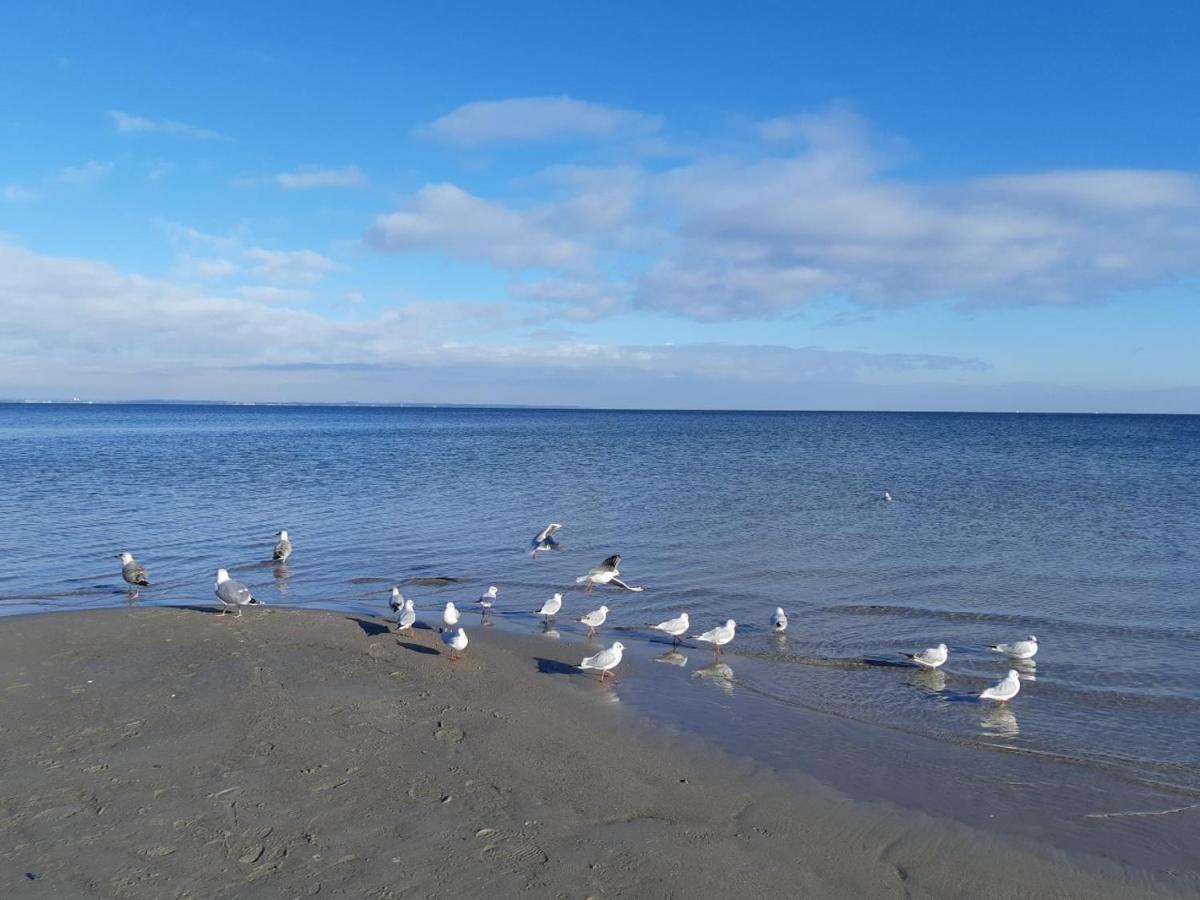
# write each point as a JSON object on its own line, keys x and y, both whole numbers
{"x": 177, "y": 753}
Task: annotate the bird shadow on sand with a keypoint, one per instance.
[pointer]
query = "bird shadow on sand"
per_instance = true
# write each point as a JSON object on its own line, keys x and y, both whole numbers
{"x": 417, "y": 648}
{"x": 370, "y": 629}
{"x": 554, "y": 667}
{"x": 212, "y": 610}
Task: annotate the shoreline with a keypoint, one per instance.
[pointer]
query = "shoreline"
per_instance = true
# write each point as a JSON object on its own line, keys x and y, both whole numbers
{"x": 159, "y": 750}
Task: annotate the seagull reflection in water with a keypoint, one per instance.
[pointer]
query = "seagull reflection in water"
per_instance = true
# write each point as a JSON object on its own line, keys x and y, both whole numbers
{"x": 719, "y": 673}
{"x": 1000, "y": 721}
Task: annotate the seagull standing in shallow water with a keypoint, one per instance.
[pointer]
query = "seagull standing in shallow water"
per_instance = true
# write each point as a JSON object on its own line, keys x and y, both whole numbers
{"x": 233, "y": 594}
{"x": 594, "y": 620}
{"x": 779, "y": 620}
{"x": 283, "y": 549}
{"x": 605, "y": 660}
{"x": 133, "y": 571}
{"x": 456, "y": 640}
{"x": 551, "y": 607}
{"x": 544, "y": 540}
{"x": 931, "y": 657}
{"x": 397, "y": 601}
{"x": 1004, "y": 689}
{"x": 676, "y": 627}
{"x": 606, "y": 573}
{"x": 487, "y": 599}
{"x": 719, "y": 636}
{"x": 1018, "y": 649}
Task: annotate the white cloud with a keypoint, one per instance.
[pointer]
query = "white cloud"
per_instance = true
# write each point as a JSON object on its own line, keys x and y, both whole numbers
{"x": 445, "y": 217}
{"x": 88, "y": 173}
{"x": 17, "y": 193}
{"x": 289, "y": 266}
{"x": 578, "y": 300}
{"x": 308, "y": 177}
{"x": 127, "y": 123}
{"x": 193, "y": 268}
{"x": 538, "y": 118}
{"x": 265, "y": 293}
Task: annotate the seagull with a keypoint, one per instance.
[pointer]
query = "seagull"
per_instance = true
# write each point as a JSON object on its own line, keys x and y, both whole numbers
{"x": 594, "y": 620}
{"x": 1018, "y": 649}
{"x": 551, "y": 607}
{"x": 606, "y": 573}
{"x": 397, "y": 601}
{"x": 887, "y": 496}
{"x": 283, "y": 549}
{"x": 407, "y": 617}
{"x": 486, "y": 599}
{"x": 674, "y": 627}
{"x": 718, "y": 636}
{"x": 456, "y": 640}
{"x": 931, "y": 657}
{"x": 233, "y": 594}
{"x": 450, "y": 614}
{"x": 605, "y": 660}
{"x": 1004, "y": 689}
{"x": 133, "y": 571}
{"x": 545, "y": 540}
{"x": 779, "y": 620}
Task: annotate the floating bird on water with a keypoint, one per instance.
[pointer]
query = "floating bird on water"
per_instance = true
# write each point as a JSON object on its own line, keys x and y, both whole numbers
{"x": 456, "y": 640}
{"x": 406, "y": 618}
{"x": 676, "y": 627}
{"x": 1004, "y": 689}
{"x": 283, "y": 549}
{"x": 133, "y": 571}
{"x": 779, "y": 619}
{"x": 605, "y": 661}
{"x": 551, "y": 607}
{"x": 931, "y": 657}
{"x": 233, "y": 594}
{"x": 487, "y": 599}
{"x": 1018, "y": 649}
{"x": 887, "y": 496}
{"x": 606, "y": 573}
{"x": 544, "y": 540}
{"x": 450, "y": 614}
{"x": 719, "y": 636}
{"x": 397, "y": 601}
{"x": 594, "y": 620}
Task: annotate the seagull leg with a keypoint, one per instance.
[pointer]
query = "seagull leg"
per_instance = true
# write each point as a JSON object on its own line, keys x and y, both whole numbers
{"x": 239, "y": 615}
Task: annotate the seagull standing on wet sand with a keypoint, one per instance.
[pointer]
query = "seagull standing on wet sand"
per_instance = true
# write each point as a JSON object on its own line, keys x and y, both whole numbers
{"x": 1004, "y": 689}
{"x": 233, "y": 594}
{"x": 719, "y": 636}
{"x": 606, "y": 573}
{"x": 1018, "y": 649}
{"x": 605, "y": 660}
{"x": 456, "y": 640}
{"x": 551, "y": 607}
{"x": 397, "y": 602}
{"x": 133, "y": 571}
{"x": 676, "y": 627}
{"x": 450, "y": 615}
{"x": 407, "y": 617}
{"x": 779, "y": 620}
{"x": 931, "y": 657}
{"x": 487, "y": 599}
{"x": 283, "y": 549}
{"x": 594, "y": 620}
{"x": 544, "y": 540}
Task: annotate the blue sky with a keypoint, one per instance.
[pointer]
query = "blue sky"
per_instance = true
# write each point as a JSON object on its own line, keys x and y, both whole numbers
{"x": 869, "y": 206}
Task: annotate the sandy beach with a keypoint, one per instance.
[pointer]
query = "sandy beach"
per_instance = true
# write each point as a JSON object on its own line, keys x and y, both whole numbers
{"x": 178, "y": 753}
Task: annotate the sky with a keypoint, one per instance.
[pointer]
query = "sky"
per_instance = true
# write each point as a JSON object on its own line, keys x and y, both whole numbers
{"x": 932, "y": 206}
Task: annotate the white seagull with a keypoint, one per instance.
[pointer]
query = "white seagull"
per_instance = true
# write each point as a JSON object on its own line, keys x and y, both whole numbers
{"x": 133, "y": 571}
{"x": 719, "y": 636}
{"x": 456, "y": 640}
{"x": 594, "y": 620}
{"x": 283, "y": 549}
{"x": 930, "y": 657}
{"x": 605, "y": 660}
{"x": 551, "y": 607}
{"x": 407, "y": 617}
{"x": 675, "y": 627}
{"x": 1018, "y": 649}
{"x": 606, "y": 573}
{"x": 450, "y": 615}
{"x": 397, "y": 601}
{"x": 544, "y": 540}
{"x": 887, "y": 496}
{"x": 779, "y": 620}
{"x": 233, "y": 594}
{"x": 1004, "y": 689}
{"x": 487, "y": 599}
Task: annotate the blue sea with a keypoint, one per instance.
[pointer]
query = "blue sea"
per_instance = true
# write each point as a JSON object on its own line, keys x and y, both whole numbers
{"x": 1081, "y": 529}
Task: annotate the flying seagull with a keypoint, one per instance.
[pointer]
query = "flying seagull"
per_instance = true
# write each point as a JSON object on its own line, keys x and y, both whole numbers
{"x": 133, "y": 571}
{"x": 283, "y": 549}
{"x": 233, "y": 594}
{"x": 1018, "y": 649}
{"x": 1004, "y": 689}
{"x": 544, "y": 540}
{"x": 606, "y": 573}
{"x": 931, "y": 657}
{"x": 605, "y": 661}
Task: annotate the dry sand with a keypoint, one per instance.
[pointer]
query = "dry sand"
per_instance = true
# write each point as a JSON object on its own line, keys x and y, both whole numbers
{"x": 176, "y": 753}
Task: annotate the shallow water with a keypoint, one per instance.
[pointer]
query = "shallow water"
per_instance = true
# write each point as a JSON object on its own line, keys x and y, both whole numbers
{"x": 1082, "y": 530}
